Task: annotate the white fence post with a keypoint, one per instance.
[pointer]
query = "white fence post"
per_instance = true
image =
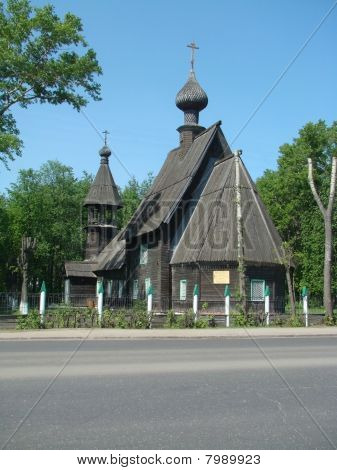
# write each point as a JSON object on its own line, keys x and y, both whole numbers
{"x": 149, "y": 304}
{"x": 266, "y": 304}
{"x": 305, "y": 305}
{"x": 100, "y": 302}
{"x": 42, "y": 302}
{"x": 195, "y": 301}
{"x": 227, "y": 294}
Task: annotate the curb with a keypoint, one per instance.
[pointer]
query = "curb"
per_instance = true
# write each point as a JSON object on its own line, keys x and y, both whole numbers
{"x": 116, "y": 334}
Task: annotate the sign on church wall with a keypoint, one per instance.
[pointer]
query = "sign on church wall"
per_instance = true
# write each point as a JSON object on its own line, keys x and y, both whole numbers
{"x": 221, "y": 277}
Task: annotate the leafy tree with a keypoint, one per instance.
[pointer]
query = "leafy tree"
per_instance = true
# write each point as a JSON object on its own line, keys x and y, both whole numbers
{"x": 131, "y": 196}
{"x": 39, "y": 65}
{"x": 46, "y": 204}
{"x": 4, "y": 241}
{"x": 327, "y": 216}
{"x": 290, "y": 202}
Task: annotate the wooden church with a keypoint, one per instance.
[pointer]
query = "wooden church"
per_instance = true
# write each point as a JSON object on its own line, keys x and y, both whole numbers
{"x": 201, "y": 219}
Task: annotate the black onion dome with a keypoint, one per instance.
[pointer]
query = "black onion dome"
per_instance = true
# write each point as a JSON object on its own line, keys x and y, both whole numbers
{"x": 191, "y": 96}
{"x": 105, "y": 151}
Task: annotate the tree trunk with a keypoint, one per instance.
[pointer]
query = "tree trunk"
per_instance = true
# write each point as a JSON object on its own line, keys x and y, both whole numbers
{"x": 327, "y": 266}
{"x": 240, "y": 247}
{"x": 24, "y": 291}
{"x": 291, "y": 291}
{"x": 327, "y": 215}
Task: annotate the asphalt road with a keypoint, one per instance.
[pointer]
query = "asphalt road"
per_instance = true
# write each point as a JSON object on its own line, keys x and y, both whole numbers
{"x": 276, "y": 393}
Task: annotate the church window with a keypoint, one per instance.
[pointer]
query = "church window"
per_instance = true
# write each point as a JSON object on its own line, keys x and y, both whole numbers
{"x": 143, "y": 254}
{"x": 257, "y": 290}
{"x": 182, "y": 290}
{"x": 147, "y": 284}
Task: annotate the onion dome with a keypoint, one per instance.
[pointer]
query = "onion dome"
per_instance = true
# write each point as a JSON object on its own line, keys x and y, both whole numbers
{"x": 191, "y": 99}
{"x": 105, "y": 153}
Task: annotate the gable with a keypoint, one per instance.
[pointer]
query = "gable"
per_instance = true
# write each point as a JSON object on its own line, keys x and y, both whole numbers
{"x": 171, "y": 184}
{"x": 211, "y": 234}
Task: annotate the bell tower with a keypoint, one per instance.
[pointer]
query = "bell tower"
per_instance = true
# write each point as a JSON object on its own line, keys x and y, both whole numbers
{"x": 102, "y": 202}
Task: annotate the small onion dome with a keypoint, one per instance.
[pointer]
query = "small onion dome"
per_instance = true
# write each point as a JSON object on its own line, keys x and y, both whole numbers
{"x": 105, "y": 151}
{"x": 191, "y": 96}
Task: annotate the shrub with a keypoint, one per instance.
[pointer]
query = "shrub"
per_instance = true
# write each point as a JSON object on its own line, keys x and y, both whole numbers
{"x": 171, "y": 320}
{"x": 242, "y": 320}
{"x": 63, "y": 315}
{"x": 211, "y": 321}
{"x": 278, "y": 321}
{"x": 330, "y": 321}
{"x": 138, "y": 316}
{"x": 295, "y": 321}
{"x": 186, "y": 320}
{"x": 202, "y": 322}
{"x": 29, "y": 322}
{"x": 107, "y": 319}
{"x": 120, "y": 319}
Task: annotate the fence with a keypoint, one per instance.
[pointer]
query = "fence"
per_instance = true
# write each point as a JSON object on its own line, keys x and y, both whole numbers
{"x": 10, "y": 302}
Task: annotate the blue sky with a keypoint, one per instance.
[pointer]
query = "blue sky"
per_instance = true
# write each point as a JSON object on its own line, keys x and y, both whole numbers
{"x": 141, "y": 45}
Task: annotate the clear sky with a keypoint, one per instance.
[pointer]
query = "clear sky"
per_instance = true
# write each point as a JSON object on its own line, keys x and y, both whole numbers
{"x": 141, "y": 45}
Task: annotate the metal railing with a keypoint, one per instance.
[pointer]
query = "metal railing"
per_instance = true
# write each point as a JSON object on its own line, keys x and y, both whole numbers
{"x": 10, "y": 303}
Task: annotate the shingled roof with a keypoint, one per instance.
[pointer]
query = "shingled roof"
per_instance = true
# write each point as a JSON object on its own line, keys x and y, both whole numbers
{"x": 170, "y": 185}
{"x": 103, "y": 190}
{"x": 211, "y": 234}
{"x": 112, "y": 256}
{"x": 80, "y": 269}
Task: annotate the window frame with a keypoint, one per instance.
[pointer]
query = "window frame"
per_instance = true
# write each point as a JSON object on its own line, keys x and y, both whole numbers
{"x": 182, "y": 282}
{"x": 143, "y": 254}
{"x": 251, "y": 289}
{"x": 147, "y": 283}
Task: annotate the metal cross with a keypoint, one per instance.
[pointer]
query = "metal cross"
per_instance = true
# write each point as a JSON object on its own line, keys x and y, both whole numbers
{"x": 105, "y": 136}
{"x": 193, "y": 46}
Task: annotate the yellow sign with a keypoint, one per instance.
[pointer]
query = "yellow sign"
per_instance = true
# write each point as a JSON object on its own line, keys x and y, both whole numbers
{"x": 221, "y": 277}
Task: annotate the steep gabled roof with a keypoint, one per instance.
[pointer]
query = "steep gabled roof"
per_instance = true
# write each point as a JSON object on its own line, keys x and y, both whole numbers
{"x": 211, "y": 234}
{"x": 103, "y": 190}
{"x": 112, "y": 256}
{"x": 80, "y": 269}
{"x": 170, "y": 185}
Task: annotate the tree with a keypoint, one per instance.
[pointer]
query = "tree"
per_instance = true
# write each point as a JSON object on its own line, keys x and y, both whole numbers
{"x": 47, "y": 204}
{"x": 4, "y": 241}
{"x": 327, "y": 215}
{"x": 291, "y": 204}
{"x": 131, "y": 196}
{"x": 39, "y": 65}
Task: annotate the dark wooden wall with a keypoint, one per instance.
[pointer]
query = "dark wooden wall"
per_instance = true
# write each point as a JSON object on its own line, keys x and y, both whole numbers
{"x": 157, "y": 267}
{"x": 274, "y": 277}
{"x": 83, "y": 286}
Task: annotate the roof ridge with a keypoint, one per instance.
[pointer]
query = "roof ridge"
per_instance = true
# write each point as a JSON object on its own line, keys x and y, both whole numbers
{"x": 209, "y": 225}
{"x": 216, "y": 124}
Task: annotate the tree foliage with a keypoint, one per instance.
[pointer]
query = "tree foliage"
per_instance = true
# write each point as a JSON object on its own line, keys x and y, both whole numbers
{"x": 47, "y": 204}
{"x": 287, "y": 195}
{"x": 131, "y": 196}
{"x": 39, "y": 64}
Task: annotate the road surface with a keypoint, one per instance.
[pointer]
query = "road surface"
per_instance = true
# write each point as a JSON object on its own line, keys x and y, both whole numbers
{"x": 228, "y": 393}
